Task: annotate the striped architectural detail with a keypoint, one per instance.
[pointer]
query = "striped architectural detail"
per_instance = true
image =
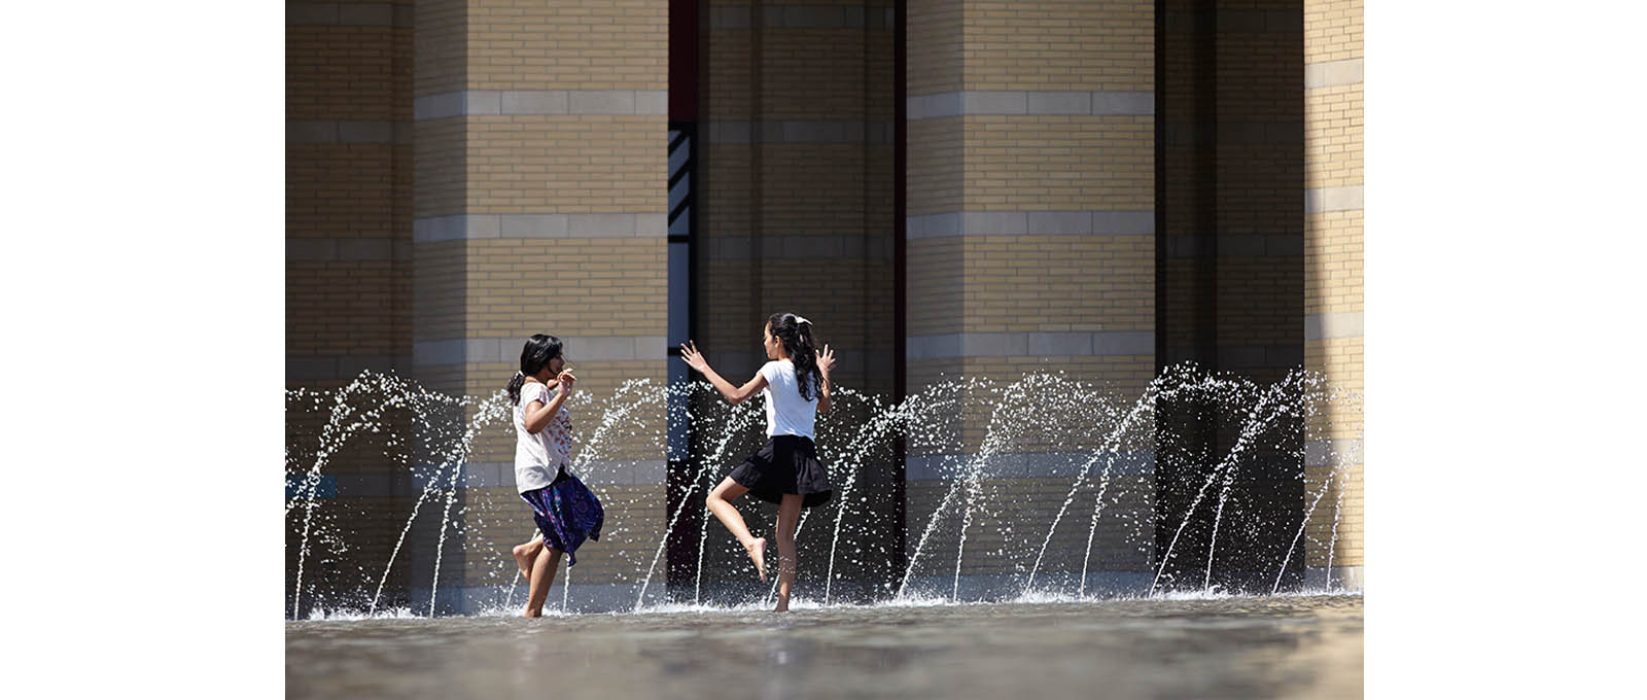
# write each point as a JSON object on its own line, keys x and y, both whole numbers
{"x": 681, "y": 149}
{"x": 1334, "y": 323}
{"x": 1068, "y": 344}
{"x": 1096, "y": 103}
{"x": 349, "y": 14}
{"x": 491, "y": 226}
{"x": 328, "y": 131}
{"x": 1032, "y": 223}
{"x": 800, "y": 131}
{"x": 798, "y": 16}
{"x": 506, "y": 350}
{"x": 468, "y": 103}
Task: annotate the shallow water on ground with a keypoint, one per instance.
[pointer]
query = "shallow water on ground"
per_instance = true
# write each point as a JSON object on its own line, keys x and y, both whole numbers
{"x": 1188, "y": 646}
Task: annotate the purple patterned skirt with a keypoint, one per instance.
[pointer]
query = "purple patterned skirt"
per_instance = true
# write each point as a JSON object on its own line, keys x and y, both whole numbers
{"x": 567, "y": 513}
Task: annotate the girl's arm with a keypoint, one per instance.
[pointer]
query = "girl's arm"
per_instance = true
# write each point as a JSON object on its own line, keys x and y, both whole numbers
{"x": 539, "y": 413}
{"x": 826, "y": 364}
{"x": 733, "y": 394}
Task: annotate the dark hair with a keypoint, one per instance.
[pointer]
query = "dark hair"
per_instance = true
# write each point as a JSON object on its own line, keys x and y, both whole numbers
{"x": 533, "y": 358}
{"x": 796, "y": 335}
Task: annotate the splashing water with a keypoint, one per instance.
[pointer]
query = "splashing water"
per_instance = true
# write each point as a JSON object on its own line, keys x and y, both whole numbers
{"x": 998, "y": 473}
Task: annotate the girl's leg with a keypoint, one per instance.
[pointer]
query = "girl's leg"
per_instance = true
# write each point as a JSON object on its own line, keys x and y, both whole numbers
{"x": 543, "y": 574}
{"x": 789, "y": 516}
{"x": 720, "y": 503}
{"x": 526, "y": 554}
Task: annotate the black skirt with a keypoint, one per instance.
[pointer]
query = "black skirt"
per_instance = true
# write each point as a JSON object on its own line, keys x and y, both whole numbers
{"x": 787, "y": 464}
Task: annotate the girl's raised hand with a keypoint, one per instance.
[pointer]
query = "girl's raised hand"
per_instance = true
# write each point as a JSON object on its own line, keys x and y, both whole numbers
{"x": 689, "y": 352}
{"x": 826, "y": 361}
{"x": 566, "y": 380}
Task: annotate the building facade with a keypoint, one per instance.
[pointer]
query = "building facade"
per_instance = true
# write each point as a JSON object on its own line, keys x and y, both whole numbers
{"x": 947, "y": 188}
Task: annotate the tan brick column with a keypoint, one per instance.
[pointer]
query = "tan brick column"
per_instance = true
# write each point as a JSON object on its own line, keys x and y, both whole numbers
{"x": 348, "y": 195}
{"x": 797, "y": 127}
{"x": 1333, "y": 269}
{"x": 348, "y": 249}
{"x": 540, "y": 207}
{"x": 797, "y": 191}
{"x": 1031, "y": 220}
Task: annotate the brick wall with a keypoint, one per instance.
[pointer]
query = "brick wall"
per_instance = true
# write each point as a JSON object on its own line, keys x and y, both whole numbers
{"x": 1334, "y": 256}
{"x": 796, "y": 193}
{"x": 1002, "y": 122}
{"x": 567, "y": 197}
{"x": 348, "y": 264}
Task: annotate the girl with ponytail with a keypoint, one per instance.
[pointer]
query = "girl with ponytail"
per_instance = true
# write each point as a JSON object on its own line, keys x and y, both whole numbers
{"x": 786, "y": 471}
{"x": 566, "y": 512}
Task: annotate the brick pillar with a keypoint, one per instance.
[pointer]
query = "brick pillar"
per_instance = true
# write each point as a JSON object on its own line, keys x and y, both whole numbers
{"x": 348, "y": 259}
{"x": 1333, "y": 269}
{"x": 1232, "y": 285}
{"x": 797, "y": 193}
{"x": 1030, "y": 233}
{"x": 540, "y": 207}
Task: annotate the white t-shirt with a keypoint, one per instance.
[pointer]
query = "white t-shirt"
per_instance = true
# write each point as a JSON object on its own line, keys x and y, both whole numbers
{"x": 786, "y": 412}
{"x": 539, "y": 457}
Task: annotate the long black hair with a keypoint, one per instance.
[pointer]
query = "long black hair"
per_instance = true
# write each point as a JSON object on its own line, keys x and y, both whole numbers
{"x": 533, "y": 358}
{"x": 796, "y": 335}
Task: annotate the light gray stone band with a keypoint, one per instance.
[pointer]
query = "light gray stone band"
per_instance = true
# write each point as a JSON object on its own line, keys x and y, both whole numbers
{"x": 302, "y": 368}
{"x": 371, "y": 485}
{"x": 348, "y": 14}
{"x": 1280, "y": 355}
{"x": 1245, "y": 357}
{"x": 1231, "y": 132}
{"x": 1240, "y": 21}
{"x": 1328, "y": 199}
{"x": 801, "y": 17}
{"x": 459, "y": 351}
{"x": 1251, "y": 21}
{"x": 1256, "y": 245}
{"x": 460, "y": 227}
{"x": 1327, "y": 453}
{"x": 1333, "y": 73}
{"x": 1332, "y": 453}
{"x": 799, "y": 247}
{"x": 1345, "y": 578}
{"x": 810, "y": 132}
{"x": 312, "y": 131}
{"x": 974, "y": 103}
{"x": 1067, "y": 344}
{"x": 1344, "y": 324}
{"x": 347, "y": 249}
{"x": 1031, "y": 223}
{"x": 643, "y": 472}
{"x": 1028, "y": 465}
{"x": 467, "y": 103}
{"x": 740, "y": 365}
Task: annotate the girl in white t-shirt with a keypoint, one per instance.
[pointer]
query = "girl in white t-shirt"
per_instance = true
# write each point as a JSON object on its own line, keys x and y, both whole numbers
{"x": 566, "y": 511}
{"x": 786, "y": 470}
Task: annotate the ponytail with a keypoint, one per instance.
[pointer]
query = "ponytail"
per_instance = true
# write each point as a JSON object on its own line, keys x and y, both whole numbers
{"x": 795, "y": 333}
{"x": 514, "y": 387}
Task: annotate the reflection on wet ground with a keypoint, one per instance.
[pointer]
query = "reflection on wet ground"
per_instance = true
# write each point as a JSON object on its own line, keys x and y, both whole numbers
{"x": 1285, "y": 646}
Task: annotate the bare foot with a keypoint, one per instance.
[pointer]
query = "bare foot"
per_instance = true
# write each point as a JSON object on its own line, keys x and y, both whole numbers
{"x": 757, "y": 552}
{"x": 783, "y": 606}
